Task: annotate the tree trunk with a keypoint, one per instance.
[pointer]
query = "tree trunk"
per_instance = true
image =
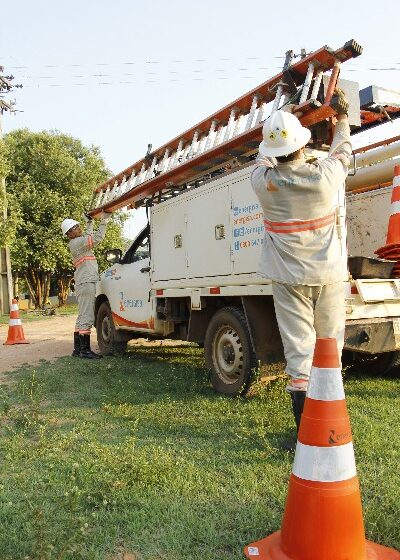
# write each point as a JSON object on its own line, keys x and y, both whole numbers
{"x": 38, "y": 282}
{"x": 31, "y": 287}
{"x": 46, "y": 287}
{"x": 63, "y": 283}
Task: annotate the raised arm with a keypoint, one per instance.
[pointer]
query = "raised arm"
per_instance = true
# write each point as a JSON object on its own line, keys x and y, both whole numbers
{"x": 339, "y": 158}
{"x": 89, "y": 240}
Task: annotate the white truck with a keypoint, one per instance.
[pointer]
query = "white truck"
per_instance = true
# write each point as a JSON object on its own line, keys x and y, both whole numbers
{"x": 191, "y": 274}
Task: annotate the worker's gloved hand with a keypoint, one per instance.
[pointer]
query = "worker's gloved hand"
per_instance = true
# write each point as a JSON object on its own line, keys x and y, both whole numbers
{"x": 88, "y": 217}
{"x": 288, "y": 108}
{"x": 105, "y": 216}
{"x": 291, "y": 108}
{"x": 266, "y": 161}
{"x": 340, "y": 102}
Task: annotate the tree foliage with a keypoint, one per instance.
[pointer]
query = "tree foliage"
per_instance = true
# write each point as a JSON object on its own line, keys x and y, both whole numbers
{"x": 51, "y": 176}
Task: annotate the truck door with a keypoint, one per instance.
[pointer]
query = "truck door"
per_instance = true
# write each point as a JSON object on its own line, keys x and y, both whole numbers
{"x": 130, "y": 287}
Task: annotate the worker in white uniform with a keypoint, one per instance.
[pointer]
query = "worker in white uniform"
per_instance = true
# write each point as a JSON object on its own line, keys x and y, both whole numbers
{"x": 86, "y": 275}
{"x": 302, "y": 249}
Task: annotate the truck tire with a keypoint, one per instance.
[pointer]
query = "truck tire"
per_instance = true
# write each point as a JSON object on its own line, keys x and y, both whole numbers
{"x": 107, "y": 336}
{"x": 378, "y": 364}
{"x": 229, "y": 352}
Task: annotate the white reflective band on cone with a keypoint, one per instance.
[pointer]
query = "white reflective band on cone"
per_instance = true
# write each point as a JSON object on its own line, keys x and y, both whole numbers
{"x": 324, "y": 464}
{"x": 325, "y": 384}
{"x": 395, "y": 207}
{"x": 14, "y": 307}
{"x": 15, "y": 322}
{"x": 396, "y": 181}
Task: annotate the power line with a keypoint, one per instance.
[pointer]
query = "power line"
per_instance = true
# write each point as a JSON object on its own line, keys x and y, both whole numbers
{"x": 138, "y": 81}
{"x": 181, "y": 61}
{"x": 160, "y": 72}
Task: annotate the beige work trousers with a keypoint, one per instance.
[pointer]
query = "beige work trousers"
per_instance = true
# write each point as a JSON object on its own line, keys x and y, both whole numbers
{"x": 86, "y": 295}
{"x": 304, "y": 313}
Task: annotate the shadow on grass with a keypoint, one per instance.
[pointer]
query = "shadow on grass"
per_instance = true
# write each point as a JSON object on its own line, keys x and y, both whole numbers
{"x": 166, "y": 393}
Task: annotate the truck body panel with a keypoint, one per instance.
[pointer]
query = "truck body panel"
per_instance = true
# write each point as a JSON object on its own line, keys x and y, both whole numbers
{"x": 367, "y": 221}
{"x": 210, "y": 238}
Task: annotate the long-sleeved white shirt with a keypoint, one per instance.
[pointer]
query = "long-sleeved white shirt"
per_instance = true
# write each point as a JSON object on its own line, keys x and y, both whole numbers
{"x": 86, "y": 269}
{"x": 300, "y": 201}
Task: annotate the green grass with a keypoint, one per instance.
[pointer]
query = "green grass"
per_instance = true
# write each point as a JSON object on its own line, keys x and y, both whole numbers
{"x": 35, "y": 315}
{"x": 138, "y": 454}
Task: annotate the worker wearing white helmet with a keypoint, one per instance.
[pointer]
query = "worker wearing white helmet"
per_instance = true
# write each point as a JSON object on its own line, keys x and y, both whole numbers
{"x": 302, "y": 251}
{"x": 86, "y": 275}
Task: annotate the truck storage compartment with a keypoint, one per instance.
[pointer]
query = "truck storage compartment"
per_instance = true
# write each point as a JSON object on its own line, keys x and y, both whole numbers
{"x": 367, "y": 267}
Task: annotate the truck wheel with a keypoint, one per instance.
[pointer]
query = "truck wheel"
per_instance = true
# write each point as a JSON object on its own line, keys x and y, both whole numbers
{"x": 107, "y": 337}
{"x": 229, "y": 352}
{"x": 379, "y": 364}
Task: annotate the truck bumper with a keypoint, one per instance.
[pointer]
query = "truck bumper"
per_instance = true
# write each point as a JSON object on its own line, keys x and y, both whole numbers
{"x": 372, "y": 336}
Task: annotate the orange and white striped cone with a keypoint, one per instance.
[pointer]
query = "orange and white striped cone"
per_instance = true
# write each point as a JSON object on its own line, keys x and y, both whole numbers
{"x": 323, "y": 515}
{"x": 392, "y": 248}
{"x": 15, "y": 330}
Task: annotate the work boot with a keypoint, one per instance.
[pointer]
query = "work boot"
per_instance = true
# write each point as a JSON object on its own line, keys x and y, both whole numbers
{"x": 77, "y": 345}
{"x": 86, "y": 351}
{"x": 298, "y": 398}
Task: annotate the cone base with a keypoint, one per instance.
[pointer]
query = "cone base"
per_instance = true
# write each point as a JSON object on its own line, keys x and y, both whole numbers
{"x": 388, "y": 247}
{"x": 381, "y": 552}
{"x": 270, "y": 549}
{"x": 16, "y": 335}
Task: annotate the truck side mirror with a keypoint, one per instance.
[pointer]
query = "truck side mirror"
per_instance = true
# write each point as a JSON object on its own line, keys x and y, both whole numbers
{"x": 114, "y": 256}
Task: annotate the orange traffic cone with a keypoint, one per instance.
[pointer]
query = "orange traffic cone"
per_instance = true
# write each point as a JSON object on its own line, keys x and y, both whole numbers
{"x": 392, "y": 248}
{"x": 15, "y": 330}
{"x": 323, "y": 516}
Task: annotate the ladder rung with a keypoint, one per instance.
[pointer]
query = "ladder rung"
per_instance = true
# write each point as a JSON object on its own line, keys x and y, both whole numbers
{"x": 317, "y": 84}
{"x": 150, "y": 170}
{"x": 230, "y": 124}
{"x": 250, "y": 116}
{"x": 164, "y": 161}
{"x": 219, "y": 135}
{"x": 211, "y": 135}
{"x": 261, "y": 113}
{"x": 174, "y": 157}
{"x": 307, "y": 83}
{"x": 192, "y": 149}
{"x": 138, "y": 179}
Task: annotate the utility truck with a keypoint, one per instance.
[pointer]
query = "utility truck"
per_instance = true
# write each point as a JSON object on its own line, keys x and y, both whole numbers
{"x": 191, "y": 273}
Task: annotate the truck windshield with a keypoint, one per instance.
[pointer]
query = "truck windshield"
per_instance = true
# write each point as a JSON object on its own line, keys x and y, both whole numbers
{"x": 139, "y": 250}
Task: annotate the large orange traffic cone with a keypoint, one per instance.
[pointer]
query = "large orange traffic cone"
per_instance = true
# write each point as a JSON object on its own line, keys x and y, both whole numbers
{"x": 15, "y": 330}
{"x": 323, "y": 516}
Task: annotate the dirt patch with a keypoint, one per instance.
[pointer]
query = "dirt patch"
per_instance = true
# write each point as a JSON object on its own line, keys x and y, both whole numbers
{"x": 49, "y": 339}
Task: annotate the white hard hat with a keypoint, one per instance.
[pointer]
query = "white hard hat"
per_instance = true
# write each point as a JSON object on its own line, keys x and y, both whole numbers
{"x": 67, "y": 224}
{"x": 283, "y": 134}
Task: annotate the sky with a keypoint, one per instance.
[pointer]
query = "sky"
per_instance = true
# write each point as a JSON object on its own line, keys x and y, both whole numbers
{"x": 123, "y": 74}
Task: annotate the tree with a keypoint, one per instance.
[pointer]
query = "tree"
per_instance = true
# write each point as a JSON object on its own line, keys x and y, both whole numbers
{"x": 51, "y": 176}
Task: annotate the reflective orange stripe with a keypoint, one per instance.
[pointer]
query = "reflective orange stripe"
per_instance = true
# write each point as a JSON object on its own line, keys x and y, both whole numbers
{"x": 90, "y": 241}
{"x": 296, "y": 226}
{"x": 83, "y": 259}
